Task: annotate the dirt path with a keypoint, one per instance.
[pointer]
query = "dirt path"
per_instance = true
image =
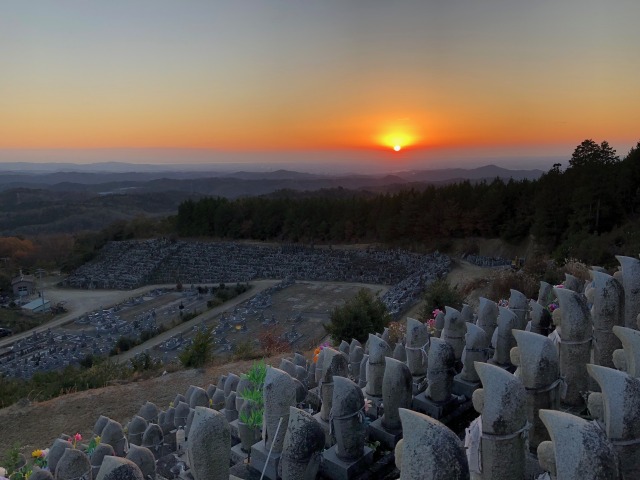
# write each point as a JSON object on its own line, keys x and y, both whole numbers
{"x": 257, "y": 287}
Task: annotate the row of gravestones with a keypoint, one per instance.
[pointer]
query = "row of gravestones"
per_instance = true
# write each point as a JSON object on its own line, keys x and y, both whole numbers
{"x": 515, "y": 409}
{"x": 130, "y": 264}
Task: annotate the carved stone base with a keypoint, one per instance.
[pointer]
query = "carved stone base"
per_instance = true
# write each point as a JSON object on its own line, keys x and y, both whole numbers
{"x": 337, "y": 469}
{"x": 385, "y": 437}
{"x": 462, "y": 387}
{"x": 242, "y": 471}
{"x": 435, "y": 410}
{"x": 238, "y": 455}
{"x": 259, "y": 453}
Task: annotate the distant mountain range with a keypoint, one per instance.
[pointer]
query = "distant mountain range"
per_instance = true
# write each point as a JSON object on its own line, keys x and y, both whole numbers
{"x": 102, "y": 178}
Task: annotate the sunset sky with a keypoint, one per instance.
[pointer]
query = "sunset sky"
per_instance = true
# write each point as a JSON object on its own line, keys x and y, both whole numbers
{"x": 267, "y": 80}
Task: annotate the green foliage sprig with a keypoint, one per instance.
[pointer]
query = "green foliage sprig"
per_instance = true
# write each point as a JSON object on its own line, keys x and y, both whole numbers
{"x": 253, "y": 419}
{"x": 256, "y": 374}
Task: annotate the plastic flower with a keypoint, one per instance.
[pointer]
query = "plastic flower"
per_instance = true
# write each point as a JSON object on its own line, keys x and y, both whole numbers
{"x": 367, "y": 404}
{"x": 436, "y": 312}
{"x": 37, "y": 453}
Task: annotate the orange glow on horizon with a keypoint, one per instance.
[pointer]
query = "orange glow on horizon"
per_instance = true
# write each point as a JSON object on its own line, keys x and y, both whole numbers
{"x": 398, "y": 137}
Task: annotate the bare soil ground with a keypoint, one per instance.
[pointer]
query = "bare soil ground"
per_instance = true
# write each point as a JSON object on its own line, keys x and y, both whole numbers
{"x": 37, "y": 425}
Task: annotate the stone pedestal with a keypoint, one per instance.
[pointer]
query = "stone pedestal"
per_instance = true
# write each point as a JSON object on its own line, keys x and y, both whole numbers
{"x": 238, "y": 455}
{"x": 229, "y": 414}
{"x": 338, "y": 469}
{"x": 437, "y": 410}
{"x": 329, "y": 440}
{"x": 186, "y": 475}
{"x": 462, "y": 387}
{"x": 259, "y": 453}
{"x": 170, "y": 441}
{"x": 384, "y": 436}
{"x": 233, "y": 428}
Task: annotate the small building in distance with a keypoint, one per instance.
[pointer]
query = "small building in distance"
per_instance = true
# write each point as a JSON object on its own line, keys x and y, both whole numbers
{"x": 23, "y": 285}
{"x": 39, "y": 305}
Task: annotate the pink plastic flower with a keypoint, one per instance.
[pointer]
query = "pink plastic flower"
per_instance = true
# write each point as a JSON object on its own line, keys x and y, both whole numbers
{"x": 77, "y": 437}
{"x": 435, "y": 313}
{"x": 367, "y": 404}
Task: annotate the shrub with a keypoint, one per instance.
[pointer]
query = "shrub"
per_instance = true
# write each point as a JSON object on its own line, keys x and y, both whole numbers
{"x": 143, "y": 362}
{"x": 147, "y": 335}
{"x": 440, "y": 294}
{"x": 122, "y": 345}
{"x": 363, "y": 314}
{"x": 397, "y": 331}
{"x": 245, "y": 351}
{"x": 504, "y": 281}
{"x": 271, "y": 341}
{"x": 472, "y": 285}
{"x": 12, "y": 458}
{"x": 577, "y": 269}
{"x": 188, "y": 316}
{"x": 199, "y": 353}
{"x": 87, "y": 362}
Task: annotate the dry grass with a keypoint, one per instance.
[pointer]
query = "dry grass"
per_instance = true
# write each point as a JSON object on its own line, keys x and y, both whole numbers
{"x": 36, "y": 425}
{"x": 507, "y": 280}
{"x": 577, "y": 269}
{"x": 467, "y": 288}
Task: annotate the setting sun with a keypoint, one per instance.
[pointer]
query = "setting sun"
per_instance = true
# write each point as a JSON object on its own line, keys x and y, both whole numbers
{"x": 397, "y": 136}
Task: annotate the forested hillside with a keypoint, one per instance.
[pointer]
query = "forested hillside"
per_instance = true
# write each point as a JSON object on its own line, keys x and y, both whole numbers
{"x": 586, "y": 211}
